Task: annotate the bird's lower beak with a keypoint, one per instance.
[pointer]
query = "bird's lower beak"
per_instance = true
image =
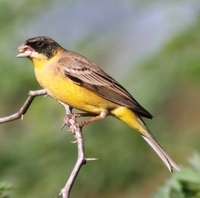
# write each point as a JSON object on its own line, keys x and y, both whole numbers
{"x": 25, "y": 51}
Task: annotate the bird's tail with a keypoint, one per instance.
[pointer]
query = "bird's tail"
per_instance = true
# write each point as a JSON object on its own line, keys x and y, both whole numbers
{"x": 134, "y": 121}
{"x": 171, "y": 165}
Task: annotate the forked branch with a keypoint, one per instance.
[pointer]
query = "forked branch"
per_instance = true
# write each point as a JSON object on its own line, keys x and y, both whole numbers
{"x": 24, "y": 108}
{"x": 76, "y": 129}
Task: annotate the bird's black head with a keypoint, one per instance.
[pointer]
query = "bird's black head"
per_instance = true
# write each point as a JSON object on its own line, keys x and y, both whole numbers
{"x": 43, "y": 45}
{"x": 40, "y": 44}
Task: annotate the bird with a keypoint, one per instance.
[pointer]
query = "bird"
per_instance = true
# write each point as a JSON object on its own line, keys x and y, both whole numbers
{"x": 76, "y": 81}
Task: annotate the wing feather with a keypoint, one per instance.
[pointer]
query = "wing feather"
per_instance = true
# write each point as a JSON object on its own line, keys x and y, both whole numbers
{"x": 86, "y": 74}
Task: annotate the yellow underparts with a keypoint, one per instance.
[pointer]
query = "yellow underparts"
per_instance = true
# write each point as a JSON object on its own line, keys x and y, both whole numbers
{"x": 63, "y": 89}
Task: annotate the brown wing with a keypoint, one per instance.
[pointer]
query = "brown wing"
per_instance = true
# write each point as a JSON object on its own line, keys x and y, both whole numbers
{"x": 84, "y": 73}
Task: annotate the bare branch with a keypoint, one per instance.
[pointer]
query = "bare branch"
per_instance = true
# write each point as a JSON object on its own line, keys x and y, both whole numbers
{"x": 74, "y": 127}
{"x": 24, "y": 108}
{"x": 65, "y": 192}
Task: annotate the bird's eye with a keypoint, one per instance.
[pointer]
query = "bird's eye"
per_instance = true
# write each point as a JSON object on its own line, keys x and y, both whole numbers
{"x": 39, "y": 44}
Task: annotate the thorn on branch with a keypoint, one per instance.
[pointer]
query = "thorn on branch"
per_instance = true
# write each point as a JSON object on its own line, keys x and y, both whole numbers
{"x": 91, "y": 159}
{"x": 74, "y": 142}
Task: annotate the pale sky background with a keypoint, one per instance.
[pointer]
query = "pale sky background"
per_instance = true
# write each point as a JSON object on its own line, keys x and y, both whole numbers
{"x": 132, "y": 31}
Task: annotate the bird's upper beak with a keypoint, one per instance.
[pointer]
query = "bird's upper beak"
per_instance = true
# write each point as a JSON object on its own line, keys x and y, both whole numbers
{"x": 25, "y": 51}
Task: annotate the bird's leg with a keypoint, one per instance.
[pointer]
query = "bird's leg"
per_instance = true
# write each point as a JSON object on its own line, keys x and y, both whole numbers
{"x": 102, "y": 115}
{"x": 72, "y": 116}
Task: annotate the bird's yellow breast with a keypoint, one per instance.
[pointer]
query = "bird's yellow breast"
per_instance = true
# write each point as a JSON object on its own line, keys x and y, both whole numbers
{"x": 63, "y": 89}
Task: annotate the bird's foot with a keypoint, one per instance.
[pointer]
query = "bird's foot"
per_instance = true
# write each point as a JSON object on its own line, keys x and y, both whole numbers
{"x": 70, "y": 121}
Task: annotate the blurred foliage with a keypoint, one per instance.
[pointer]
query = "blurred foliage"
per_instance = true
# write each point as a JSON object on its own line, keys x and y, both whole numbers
{"x": 38, "y": 158}
{"x": 4, "y": 187}
{"x": 183, "y": 184}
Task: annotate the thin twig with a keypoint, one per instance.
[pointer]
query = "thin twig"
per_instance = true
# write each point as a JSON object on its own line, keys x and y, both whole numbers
{"x": 76, "y": 129}
{"x": 24, "y": 108}
{"x": 65, "y": 192}
{"x": 70, "y": 121}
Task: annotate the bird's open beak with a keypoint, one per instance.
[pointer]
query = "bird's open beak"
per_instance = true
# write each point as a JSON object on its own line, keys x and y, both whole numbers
{"x": 25, "y": 51}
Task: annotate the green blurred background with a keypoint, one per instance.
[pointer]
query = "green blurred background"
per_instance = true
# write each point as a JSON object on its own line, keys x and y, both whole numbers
{"x": 151, "y": 47}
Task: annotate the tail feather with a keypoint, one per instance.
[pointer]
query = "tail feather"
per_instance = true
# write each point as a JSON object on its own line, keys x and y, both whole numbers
{"x": 136, "y": 122}
{"x": 149, "y": 138}
{"x": 171, "y": 165}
